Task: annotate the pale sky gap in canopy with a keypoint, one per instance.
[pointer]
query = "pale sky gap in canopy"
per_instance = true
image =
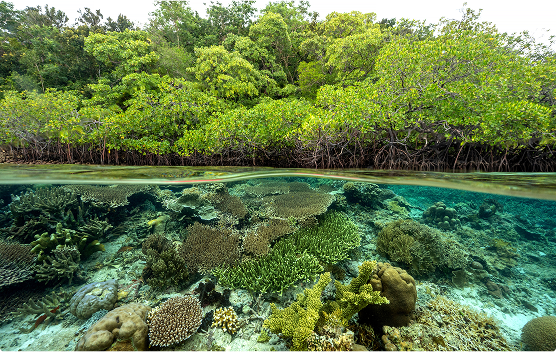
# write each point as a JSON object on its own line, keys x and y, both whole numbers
{"x": 509, "y": 16}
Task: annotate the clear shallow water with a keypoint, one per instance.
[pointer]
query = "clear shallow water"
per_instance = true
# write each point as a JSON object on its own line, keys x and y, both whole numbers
{"x": 485, "y": 242}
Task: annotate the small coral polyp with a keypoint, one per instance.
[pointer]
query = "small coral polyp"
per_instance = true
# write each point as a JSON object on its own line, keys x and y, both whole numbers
{"x": 227, "y": 319}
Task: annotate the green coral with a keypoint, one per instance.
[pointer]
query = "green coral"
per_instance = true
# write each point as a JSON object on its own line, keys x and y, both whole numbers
{"x": 64, "y": 263}
{"x": 359, "y": 293}
{"x": 165, "y": 267}
{"x": 263, "y": 337}
{"x": 331, "y": 240}
{"x": 422, "y": 248}
{"x": 275, "y": 272}
{"x": 299, "y": 319}
{"x": 45, "y": 243}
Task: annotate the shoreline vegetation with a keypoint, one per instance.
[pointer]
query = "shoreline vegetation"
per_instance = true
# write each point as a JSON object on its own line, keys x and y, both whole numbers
{"x": 274, "y": 87}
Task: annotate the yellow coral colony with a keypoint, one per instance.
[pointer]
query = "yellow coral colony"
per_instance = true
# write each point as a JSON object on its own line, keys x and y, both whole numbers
{"x": 227, "y": 319}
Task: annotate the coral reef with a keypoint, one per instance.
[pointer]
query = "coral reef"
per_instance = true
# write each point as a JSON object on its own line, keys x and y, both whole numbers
{"x": 358, "y": 294}
{"x": 266, "y": 187}
{"x": 447, "y": 324}
{"x": 17, "y": 263}
{"x": 93, "y": 297}
{"x": 297, "y": 205}
{"x": 207, "y": 248}
{"x": 396, "y": 285}
{"x": 107, "y": 196}
{"x": 489, "y": 207}
{"x": 165, "y": 266}
{"x": 208, "y": 294}
{"x": 422, "y": 248}
{"x": 227, "y": 319}
{"x": 299, "y": 319}
{"x": 539, "y": 334}
{"x": 124, "y": 325}
{"x": 441, "y": 216}
{"x": 258, "y": 242}
{"x": 192, "y": 203}
{"x": 51, "y": 202}
{"x": 174, "y": 320}
{"x": 331, "y": 339}
{"x": 227, "y": 203}
{"x": 63, "y": 263}
{"x": 367, "y": 194}
{"x": 329, "y": 241}
{"x": 275, "y": 272}
{"x": 46, "y": 243}
{"x": 49, "y": 307}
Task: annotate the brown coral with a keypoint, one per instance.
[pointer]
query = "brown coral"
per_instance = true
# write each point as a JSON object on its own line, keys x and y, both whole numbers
{"x": 299, "y": 205}
{"x": 174, "y": 320}
{"x": 165, "y": 266}
{"x": 16, "y": 263}
{"x": 107, "y": 196}
{"x": 207, "y": 248}
{"x": 539, "y": 334}
{"x": 258, "y": 242}
{"x": 120, "y": 324}
{"x": 228, "y": 203}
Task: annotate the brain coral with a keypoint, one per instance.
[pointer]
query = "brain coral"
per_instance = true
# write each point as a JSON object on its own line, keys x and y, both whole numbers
{"x": 174, "y": 320}
{"x": 539, "y": 334}
{"x": 93, "y": 297}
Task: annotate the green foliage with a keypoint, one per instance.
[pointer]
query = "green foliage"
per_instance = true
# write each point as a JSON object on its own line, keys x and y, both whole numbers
{"x": 124, "y": 52}
{"x": 225, "y": 74}
{"x": 231, "y": 82}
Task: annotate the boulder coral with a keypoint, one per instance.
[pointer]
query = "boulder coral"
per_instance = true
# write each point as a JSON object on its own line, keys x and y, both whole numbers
{"x": 124, "y": 326}
{"x": 539, "y": 334}
{"x": 398, "y": 287}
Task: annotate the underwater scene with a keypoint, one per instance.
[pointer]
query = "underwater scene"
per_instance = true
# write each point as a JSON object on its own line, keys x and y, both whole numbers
{"x": 273, "y": 260}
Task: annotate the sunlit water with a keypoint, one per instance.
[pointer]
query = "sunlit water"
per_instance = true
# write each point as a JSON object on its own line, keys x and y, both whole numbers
{"x": 484, "y": 242}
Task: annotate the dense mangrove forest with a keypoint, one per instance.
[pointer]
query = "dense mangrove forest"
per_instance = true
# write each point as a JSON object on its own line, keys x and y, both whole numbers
{"x": 279, "y": 86}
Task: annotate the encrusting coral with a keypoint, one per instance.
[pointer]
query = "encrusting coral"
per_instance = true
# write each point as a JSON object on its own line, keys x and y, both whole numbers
{"x": 124, "y": 325}
{"x": 174, "y": 320}
{"x": 227, "y": 319}
{"x": 207, "y": 248}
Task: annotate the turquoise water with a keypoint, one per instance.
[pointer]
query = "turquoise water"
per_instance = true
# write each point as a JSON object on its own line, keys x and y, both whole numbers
{"x": 94, "y": 255}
